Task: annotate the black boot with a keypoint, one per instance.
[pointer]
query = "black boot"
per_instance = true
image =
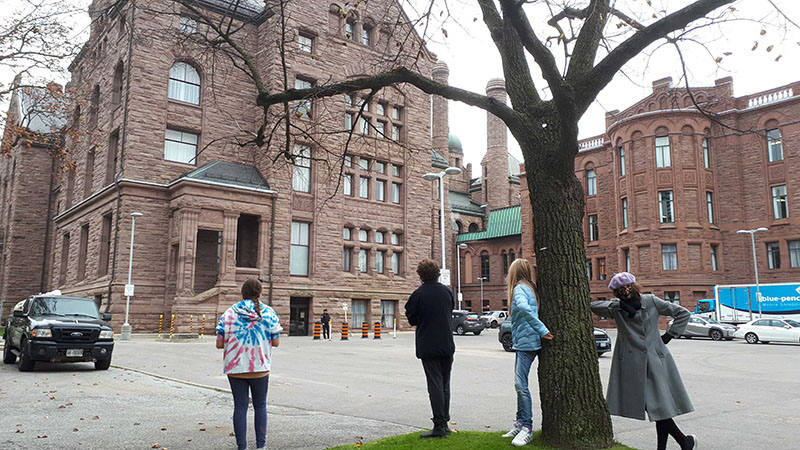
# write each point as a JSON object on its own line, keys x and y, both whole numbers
{"x": 438, "y": 431}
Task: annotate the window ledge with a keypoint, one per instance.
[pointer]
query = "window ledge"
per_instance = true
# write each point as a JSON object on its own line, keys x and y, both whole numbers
{"x": 637, "y": 229}
{"x": 694, "y": 225}
{"x": 181, "y": 162}
{"x": 780, "y": 222}
{"x": 669, "y": 226}
{"x": 624, "y": 231}
{"x": 182, "y": 103}
{"x": 593, "y": 244}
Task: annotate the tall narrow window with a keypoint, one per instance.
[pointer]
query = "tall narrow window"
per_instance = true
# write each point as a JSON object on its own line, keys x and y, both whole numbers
{"x": 714, "y": 256}
{"x": 794, "y": 254}
{"x": 666, "y": 211}
{"x": 591, "y": 182}
{"x": 710, "y": 206}
{"x": 349, "y": 29}
{"x": 111, "y": 157}
{"x": 105, "y": 246}
{"x": 184, "y": 83}
{"x": 363, "y": 126}
{"x": 347, "y": 253}
{"x": 396, "y": 263}
{"x": 395, "y": 132}
{"x": 94, "y": 107}
{"x": 779, "y": 208}
{"x": 396, "y": 192}
{"x": 504, "y": 256}
{"x": 774, "y": 145}
{"x": 621, "y": 160}
{"x": 298, "y": 253}
{"x": 363, "y": 260}
{"x": 363, "y": 163}
{"x": 348, "y": 121}
{"x": 379, "y": 261}
{"x": 485, "y": 265}
{"x": 305, "y": 42}
{"x": 88, "y": 177}
{"x": 180, "y": 146}
{"x": 348, "y": 184}
{"x": 70, "y": 187}
{"x": 301, "y": 178}
{"x": 302, "y": 108}
{"x": 589, "y": 269}
{"x": 662, "y": 152}
{"x": 669, "y": 256}
{"x": 601, "y": 268}
{"x": 366, "y": 34}
{"x": 773, "y": 255}
{"x": 116, "y": 86}
{"x": 62, "y": 276}
{"x": 247, "y": 240}
{"x": 363, "y": 236}
{"x": 395, "y": 239}
{"x": 511, "y": 257}
{"x": 380, "y": 237}
{"x": 363, "y": 187}
{"x": 82, "y": 251}
{"x": 627, "y": 256}
{"x": 380, "y": 129}
{"x": 706, "y": 154}
{"x": 593, "y": 228}
{"x": 624, "y": 204}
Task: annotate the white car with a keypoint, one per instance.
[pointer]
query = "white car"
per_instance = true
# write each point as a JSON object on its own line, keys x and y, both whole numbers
{"x": 494, "y": 318}
{"x": 767, "y": 330}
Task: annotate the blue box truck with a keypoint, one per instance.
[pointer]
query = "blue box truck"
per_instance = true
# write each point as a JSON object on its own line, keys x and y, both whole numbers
{"x": 738, "y": 303}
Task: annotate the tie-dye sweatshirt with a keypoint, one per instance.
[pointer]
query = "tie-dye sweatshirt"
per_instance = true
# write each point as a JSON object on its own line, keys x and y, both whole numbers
{"x": 247, "y": 340}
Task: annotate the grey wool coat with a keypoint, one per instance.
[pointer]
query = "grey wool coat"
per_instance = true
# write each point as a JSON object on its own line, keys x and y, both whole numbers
{"x": 644, "y": 376}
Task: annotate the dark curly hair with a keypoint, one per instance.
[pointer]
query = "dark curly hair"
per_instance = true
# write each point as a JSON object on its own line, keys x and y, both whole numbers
{"x": 428, "y": 270}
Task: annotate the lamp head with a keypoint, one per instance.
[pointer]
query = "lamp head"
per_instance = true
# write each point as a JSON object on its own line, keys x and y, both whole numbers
{"x": 761, "y": 229}
{"x": 742, "y": 232}
{"x": 136, "y": 214}
{"x": 430, "y": 176}
{"x": 452, "y": 171}
{"x": 462, "y": 246}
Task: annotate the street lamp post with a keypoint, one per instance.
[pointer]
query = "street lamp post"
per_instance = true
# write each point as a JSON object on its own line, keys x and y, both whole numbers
{"x": 126, "y": 327}
{"x": 755, "y": 264}
{"x": 482, "y": 279}
{"x": 459, "y": 247}
{"x": 440, "y": 176}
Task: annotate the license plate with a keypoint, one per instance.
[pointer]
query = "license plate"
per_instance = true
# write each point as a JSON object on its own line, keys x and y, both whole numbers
{"x": 74, "y": 352}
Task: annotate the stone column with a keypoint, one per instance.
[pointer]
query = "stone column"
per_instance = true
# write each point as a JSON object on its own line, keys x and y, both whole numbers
{"x": 496, "y": 159}
{"x": 227, "y": 263}
{"x": 263, "y": 243}
{"x": 441, "y": 129}
{"x": 184, "y": 283}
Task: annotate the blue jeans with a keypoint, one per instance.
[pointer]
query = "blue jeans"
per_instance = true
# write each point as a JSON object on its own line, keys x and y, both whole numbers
{"x": 522, "y": 368}
{"x": 241, "y": 388}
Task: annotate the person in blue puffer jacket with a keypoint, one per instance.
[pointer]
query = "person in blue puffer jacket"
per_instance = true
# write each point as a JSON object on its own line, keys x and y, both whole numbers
{"x": 527, "y": 332}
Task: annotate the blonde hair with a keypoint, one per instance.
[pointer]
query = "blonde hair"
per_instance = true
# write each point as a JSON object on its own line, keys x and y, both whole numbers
{"x": 520, "y": 272}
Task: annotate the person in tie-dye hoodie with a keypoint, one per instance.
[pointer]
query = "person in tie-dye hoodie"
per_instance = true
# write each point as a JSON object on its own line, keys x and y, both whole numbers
{"x": 247, "y": 331}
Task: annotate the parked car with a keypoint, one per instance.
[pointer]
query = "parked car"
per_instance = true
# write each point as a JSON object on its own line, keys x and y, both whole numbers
{"x": 56, "y": 328}
{"x": 768, "y": 330}
{"x": 702, "y": 327}
{"x": 601, "y": 338}
{"x": 493, "y": 319}
{"x": 466, "y": 321}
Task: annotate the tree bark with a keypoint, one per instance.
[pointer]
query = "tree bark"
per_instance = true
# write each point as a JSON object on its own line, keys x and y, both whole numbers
{"x": 574, "y": 410}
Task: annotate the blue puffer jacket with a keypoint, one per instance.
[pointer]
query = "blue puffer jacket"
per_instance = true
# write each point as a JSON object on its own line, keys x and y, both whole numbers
{"x": 526, "y": 328}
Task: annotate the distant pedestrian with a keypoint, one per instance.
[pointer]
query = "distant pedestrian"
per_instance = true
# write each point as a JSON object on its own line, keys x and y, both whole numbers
{"x": 247, "y": 331}
{"x": 326, "y": 324}
{"x": 430, "y": 309}
{"x": 644, "y": 376}
{"x": 527, "y": 332}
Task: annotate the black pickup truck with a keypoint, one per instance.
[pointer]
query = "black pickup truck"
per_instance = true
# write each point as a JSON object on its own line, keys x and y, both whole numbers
{"x": 55, "y": 328}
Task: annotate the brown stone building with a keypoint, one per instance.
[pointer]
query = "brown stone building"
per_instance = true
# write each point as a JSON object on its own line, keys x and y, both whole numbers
{"x": 164, "y": 132}
{"x": 668, "y": 186}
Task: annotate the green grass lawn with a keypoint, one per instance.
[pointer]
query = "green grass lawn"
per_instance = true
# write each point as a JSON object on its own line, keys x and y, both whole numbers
{"x": 472, "y": 440}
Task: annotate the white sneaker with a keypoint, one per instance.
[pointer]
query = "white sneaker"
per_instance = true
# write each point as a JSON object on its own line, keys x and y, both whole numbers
{"x": 522, "y": 438}
{"x": 514, "y": 431}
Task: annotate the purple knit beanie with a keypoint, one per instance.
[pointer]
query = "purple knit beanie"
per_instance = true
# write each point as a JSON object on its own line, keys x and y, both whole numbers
{"x": 621, "y": 279}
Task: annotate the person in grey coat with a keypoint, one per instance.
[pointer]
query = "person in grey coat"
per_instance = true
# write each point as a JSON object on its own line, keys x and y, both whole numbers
{"x": 644, "y": 376}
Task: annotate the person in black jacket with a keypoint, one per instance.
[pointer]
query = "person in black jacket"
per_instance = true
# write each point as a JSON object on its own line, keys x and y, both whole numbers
{"x": 430, "y": 309}
{"x": 325, "y": 320}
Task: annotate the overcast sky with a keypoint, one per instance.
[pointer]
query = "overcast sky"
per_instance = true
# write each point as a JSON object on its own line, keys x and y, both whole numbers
{"x": 473, "y": 59}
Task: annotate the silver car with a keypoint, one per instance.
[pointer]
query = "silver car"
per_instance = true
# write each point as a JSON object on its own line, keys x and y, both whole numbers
{"x": 700, "y": 327}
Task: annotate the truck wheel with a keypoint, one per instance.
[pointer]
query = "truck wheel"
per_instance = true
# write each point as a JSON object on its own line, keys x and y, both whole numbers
{"x": 26, "y": 364}
{"x": 8, "y": 356}
{"x": 751, "y": 338}
{"x": 477, "y": 333}
{"x": 460, "y": 330}
{"x": 102, "y": 364}
{"x": 494, "y": 324}
{"x": 508, "y": 342}
{"x": 716, "y": 335}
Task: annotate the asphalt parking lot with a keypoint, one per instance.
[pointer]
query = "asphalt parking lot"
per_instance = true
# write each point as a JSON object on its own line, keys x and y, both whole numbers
{"x": 326, "y": 393}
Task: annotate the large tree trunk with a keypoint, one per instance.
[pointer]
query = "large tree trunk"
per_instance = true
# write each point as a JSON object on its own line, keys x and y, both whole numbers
{"x": 574, "y": 410}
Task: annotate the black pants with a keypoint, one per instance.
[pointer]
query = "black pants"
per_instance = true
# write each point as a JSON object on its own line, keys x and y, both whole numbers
{"x": 437, "y": 372}
{"x": 326, "y": 331}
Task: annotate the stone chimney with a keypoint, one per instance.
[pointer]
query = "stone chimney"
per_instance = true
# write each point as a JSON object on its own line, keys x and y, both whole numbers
{"x": 662, "y": 84}
{"x": 441, "y": 127}
{"x": 495, "y": 162}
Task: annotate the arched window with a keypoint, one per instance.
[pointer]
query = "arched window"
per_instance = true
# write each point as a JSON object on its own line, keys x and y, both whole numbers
{"x": 459, "y": 227}
{"x": 184, "y": 83}
{"x": 473, "y": 227}
{"x": 76, "y": 118}
{"x": 116, "y": 87}
{"x": 505, "y": 262}
{"x": 485, "y": 265}
{"x": 95, "y": 105}
{"x": 511, "y": 257}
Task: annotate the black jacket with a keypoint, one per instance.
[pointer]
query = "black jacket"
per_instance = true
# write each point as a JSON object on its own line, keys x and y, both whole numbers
{"x": 430, "y": 308}
{"x": 325, "y": 318}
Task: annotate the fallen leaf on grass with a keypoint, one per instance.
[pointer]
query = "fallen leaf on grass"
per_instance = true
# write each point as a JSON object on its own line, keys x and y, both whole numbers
{"x": 19, "y": 431}
{"x": 163, "y": 428}
{"x": 137, "y": 423}
{"x": 156, "y": 446}
{"x": 202, "y": 429}
{"x": 52, "y": 398}
{"x": 487, "y": 426}
{"x": 231, "y": 434}
{"x": 75, "y": 429}
{"x": 95, "y": 417}
{"x": 41, "y": 436}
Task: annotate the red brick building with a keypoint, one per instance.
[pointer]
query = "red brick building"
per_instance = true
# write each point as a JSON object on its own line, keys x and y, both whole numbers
{"x": 668, "y": 186}
{"x": 159, "y": 134}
